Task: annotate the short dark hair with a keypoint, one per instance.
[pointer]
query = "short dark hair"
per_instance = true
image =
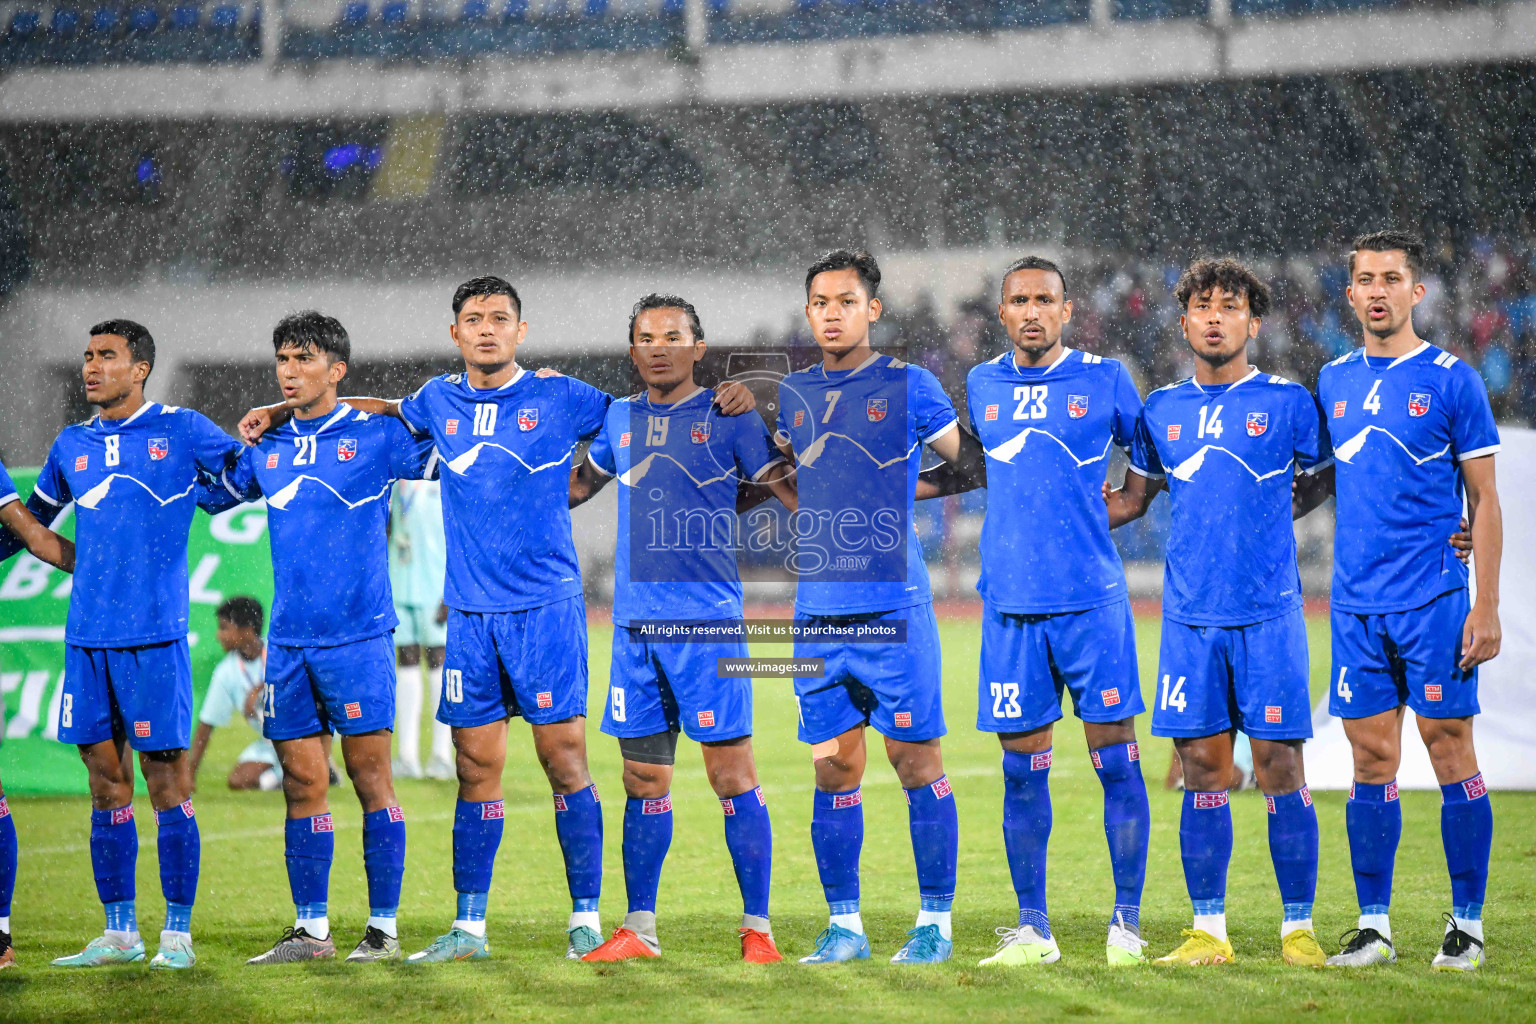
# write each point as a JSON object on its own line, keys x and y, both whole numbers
{"x": 1034, "y": 263}
{"x": 847, "y": 259}
{"x": 485, "y": 287}
{"x": 313, "y": 331}
{"x": 656, "y": 300}
{"x": 141, "y": 347}
{"x": 1406, "y": 242}
{"x": 242, "y": 612}
{"x": 1208, "y": 273}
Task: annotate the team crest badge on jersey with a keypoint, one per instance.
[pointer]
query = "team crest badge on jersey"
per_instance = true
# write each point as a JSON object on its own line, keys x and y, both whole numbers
{"x": 991, "y": 412}
{"x": 700, "y": 432}
{"x": 159, "y": 448}
{"x": 1418, "y": 403}
{"x": 1077, "y": 406}
{"x": 1258, "y": 422}
{"x": 875, "y": 410}
{"x": 624, "y": 439}
{"x": 527, "y": 419}
{"x": 346, "y": 449}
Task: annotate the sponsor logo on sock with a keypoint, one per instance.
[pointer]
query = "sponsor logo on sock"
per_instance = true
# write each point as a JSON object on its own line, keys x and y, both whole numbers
{"x": 940, "y": 787}
{"x": 706, "y": 719}
{"x": 272, "y": 461}
{"x": 1269, "y": 802}
{"x": 122, "y": 815}
{"x": 1475, "y": 786}
{"x": 1098, "y": 762}
{"x": 1134, "y": 751}
{"x": 545, "y": 699}
{"x": 1112, "y": 696}
{"x": 903, "y": 719}
{"x": 5, "y": 808}
{"x": 396, "y": 814}
{"x": 452, "y": 427}
{"x": 1392, "y": 790}
{"x": 661, "y": 806}
{"x": 1039, "y": 762}
{"x": 141, "y": 729}
{"x": 1432, "y": 691}
{"x": 354, "y": 709}
{"x": 728, "y": 806}
{"x": 1271, "y": 713}
{"x": 560, "y": 804}
{"x": 595, "y": 798}
{"x": 493, "y": 809}
{"x": 186, "y": 809}
{"x": 761, "y": 800}
{"x": 1306, "y": 797}
{"x": 843, "y": 801}
{"x": 322, "y": 823}
{"x": 1210, "y": 801}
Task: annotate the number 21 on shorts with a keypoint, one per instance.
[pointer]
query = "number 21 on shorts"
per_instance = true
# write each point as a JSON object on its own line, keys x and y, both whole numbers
{"x": 1173, "y": 694}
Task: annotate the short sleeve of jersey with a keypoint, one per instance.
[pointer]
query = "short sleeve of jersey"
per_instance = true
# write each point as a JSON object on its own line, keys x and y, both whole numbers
{"x": 1314, "y": 448}
{"x": 414, "y": 412}
{"x": 931, "y": 407}
{"x": 240, "y": 477}
{"x": 219, "y": 705}
{"x": 1127, "y": 410}
{"x": 1473, "y": 431}
{"x": 212, "y": 448}
{"x": 754, "y": 450}
{"x": 1144, "y": 457}
{"x": 51, "y": 485}
{"x": 408, "y": 454}
{"x": 600, "y": 454}
{"x": 7, "y": 488}
{"x": 589, "y": 407}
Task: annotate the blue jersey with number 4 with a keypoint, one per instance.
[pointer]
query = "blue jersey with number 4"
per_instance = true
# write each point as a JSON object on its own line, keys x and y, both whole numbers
{"x": 1401, "y": 429}
{"x": 858, "y": 436}
{"x": 1047, "y": 432}
{"x": 678, "y": 467}
{"x": 135, "y": 483}
{"x": 505, "y": 463}
{"x": 327, "y": 484}
{"x": 1229, "y": 455}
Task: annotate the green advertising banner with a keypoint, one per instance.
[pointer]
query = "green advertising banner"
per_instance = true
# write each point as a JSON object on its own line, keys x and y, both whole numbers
{"x": 227, "y": 555}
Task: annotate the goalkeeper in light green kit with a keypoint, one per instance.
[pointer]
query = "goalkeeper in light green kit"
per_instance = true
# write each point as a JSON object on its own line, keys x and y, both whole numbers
{"x": 417, "y": 565}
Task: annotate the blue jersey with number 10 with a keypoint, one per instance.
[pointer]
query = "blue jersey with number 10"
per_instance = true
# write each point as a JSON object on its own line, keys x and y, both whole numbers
{"x": 1047, "y": 432}
{"x": 1230, "y": 455}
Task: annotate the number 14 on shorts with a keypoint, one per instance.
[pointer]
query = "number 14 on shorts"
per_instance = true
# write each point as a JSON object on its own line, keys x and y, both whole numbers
{"x": 1173, "y": 694}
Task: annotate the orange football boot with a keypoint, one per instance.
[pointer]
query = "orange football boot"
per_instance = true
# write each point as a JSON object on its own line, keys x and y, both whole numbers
{"x": 757, "y": 947}
{"x": 625, "y": 945}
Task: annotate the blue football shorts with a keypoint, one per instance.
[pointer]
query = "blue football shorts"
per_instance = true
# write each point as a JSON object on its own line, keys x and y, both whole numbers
{"x": 531, "y": 663}
{"x": 896, "y": 687}
{"x": 1253, "y": 677}
{"x": 349, "y": 688}
{"x": 656, "y": 687}
{"x": 143, "y": 693}
{"x": 1381, "y": 662}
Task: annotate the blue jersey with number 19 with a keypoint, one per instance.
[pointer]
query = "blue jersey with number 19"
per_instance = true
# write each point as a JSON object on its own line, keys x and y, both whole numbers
{"x": 1401, "y": 429}
{"x": 1047, "y": 432}
{"x": 858, "y": 436}
{"x": 505, "y": 460}
{"x": 1231, "y": 454}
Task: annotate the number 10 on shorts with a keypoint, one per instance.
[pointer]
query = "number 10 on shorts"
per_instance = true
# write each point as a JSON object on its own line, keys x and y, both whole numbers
{"x": 453, "y": 686}
{"x": 1173, "y": 695}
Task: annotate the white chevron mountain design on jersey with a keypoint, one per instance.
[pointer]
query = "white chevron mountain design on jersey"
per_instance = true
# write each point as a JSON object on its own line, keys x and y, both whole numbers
{"x": 1347, "y": 451}
{"x": 1006, "y": 451}
{"x": 461, "y": 464}
{"x": 92, "y": 498}
{"x": 812, "y": 453}
{"x": 281, "y": 499}
{"x": 634, "y": 474}
{"x": 1190, "y": 466}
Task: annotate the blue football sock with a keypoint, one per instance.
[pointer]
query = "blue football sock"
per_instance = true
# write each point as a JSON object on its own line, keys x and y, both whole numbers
{"x": 1466, "y": 829}
{"x": 384, "y": 859}
{"x": 7, "y": 857}
{"x": 1373, "y": 818}
{"x": 477, "y": 828}
{"x": 1205, "y": 846}
{"x": 114, "y": 856}
{"x": 935, "y": 828}
{"x": 309, "y": 846}
{"x": 579, "y": 824}
{"x": 1127, "y": 825}
{"x": 181, "y": 849}
{"x": 749, "y": 837}
{"x": 1027, "y": 831}
{"x": 471, "y": 906}
{"x": 1293, "y": 849}
{"x": 837, "y": 838}
{"x": 647, "y": 837}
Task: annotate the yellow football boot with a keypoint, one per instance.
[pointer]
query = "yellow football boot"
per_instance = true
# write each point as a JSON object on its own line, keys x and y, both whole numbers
{"x": 1199, "y": 947}
{"x": 1300, "y": 949}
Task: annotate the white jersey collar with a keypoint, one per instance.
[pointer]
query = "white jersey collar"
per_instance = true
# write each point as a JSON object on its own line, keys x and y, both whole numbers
{"x": 1253, "y": 372}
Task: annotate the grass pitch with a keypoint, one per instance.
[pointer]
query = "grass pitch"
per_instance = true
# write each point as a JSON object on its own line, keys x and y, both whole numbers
{"x": 243, "y": 902}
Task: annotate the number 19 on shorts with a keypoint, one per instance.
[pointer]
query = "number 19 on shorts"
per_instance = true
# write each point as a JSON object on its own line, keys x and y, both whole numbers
{"x": 1173, "y": 694}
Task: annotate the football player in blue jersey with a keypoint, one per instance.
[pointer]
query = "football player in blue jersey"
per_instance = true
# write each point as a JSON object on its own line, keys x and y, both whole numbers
{"x": 22, "y": 530}
{"x": 1414, "y": 436}
{"x": 517, "y": 633}
{"x": 1047, "y": 417}
{"x": 134, "y": 472}
{"x": 679, "y": 464}
{"x": 855, "y": 423}
{"x": 1231, "y": 443}
{"x": 327, "y": 474}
